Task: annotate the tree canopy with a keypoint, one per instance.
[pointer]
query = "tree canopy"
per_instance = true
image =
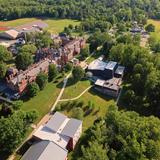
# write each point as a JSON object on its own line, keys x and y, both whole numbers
{"x": 122, "y": 135}
{"x": 78, "y": 73}
{"x": 23, "y": 60}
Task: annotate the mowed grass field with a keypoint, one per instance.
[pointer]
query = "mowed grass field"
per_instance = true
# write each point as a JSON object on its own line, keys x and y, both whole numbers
{"x": 156, "y": 23}
{"x": 44, "y": 100}
{"x": 101, "y": 103}
{"x": 54, "y": 25}
{"x": 74, "y": 90}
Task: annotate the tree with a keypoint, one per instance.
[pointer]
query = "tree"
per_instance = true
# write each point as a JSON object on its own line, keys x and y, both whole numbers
{"x": 43, "y": 39}
{"x": 125, "y": 38}
{"x": 107, "y": 46}
{"x": 150, "y": 28}
{"x": 127, "y": 136}
{"x": 116, "y": 53}
{"x": 78, "y": 73}
{"x": 29, "y": 48}
{"x": 31, "y": 116}
{"x": 12, "y": 131}
{"x": 78, "y": 113}
{"x": 53, "y": 72}
{"x": 3, "y": 69}
{"x": 96, "y": 40}
{"x": 71, "y": 26}
{"x": 32, "y": 89}
{"x": 67, "y": 30}
{"x": 5, "y": 55}
{"x": 68, "y": 67}
{"x": 41, "y": 80}
{"x": 84, "y": 53}
{"x": 23, "y": 60}
{"x": 94, "y": 151}
{"x": 121, "y": 27}
{"x": 17, "y": 104}
{"x": 6, "y": 110}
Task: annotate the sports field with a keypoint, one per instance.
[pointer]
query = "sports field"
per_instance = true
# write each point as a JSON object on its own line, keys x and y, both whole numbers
{"x": 54, "y": 25}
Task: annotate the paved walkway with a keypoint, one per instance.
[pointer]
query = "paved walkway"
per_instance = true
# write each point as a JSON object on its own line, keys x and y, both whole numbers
{"x": 61, "y": 93}
{"x": 72, "y": 99}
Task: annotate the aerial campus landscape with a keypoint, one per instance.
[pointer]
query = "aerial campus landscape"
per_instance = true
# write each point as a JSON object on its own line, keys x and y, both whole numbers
{"x": 79, "y": 80}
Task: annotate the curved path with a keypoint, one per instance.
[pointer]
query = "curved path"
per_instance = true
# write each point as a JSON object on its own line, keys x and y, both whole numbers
{"x": 72, "y": 99}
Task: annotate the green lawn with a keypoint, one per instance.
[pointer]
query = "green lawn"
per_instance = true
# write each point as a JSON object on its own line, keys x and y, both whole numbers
{"x": 44, "y": 100}
{"x": 55, "y": 25}
{"x": 73, "y": 90}
{"x": 156, "y": 23}
{"x": 101, "y": 103}
{"x": 18, "y": 22}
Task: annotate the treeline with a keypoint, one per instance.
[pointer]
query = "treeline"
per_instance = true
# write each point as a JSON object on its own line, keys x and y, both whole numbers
{"x": 101, "y": 9}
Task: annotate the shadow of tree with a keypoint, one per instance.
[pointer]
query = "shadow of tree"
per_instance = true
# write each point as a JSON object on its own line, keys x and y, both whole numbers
{"x": 70, "y": 82}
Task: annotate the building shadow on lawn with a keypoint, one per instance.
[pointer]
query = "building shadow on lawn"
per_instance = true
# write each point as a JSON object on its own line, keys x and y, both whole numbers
{"x": 103, "y": 96}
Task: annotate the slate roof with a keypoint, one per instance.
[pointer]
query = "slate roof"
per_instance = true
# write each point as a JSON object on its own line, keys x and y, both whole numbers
{"x": 45, "y": 150}
{"x": 71, "y": 127}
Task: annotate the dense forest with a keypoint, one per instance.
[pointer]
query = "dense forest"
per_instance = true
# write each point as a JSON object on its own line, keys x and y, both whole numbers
{"x": 99, "y": 9}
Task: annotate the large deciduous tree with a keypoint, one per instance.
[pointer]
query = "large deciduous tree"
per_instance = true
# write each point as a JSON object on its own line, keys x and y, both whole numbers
{"x": 41, "y": 80}
{"x": 13, "y": 130}
{"x": 3, "y": 69}
{"x": 5, "y": 55}
{"x": 32, "y": 89}
{"x": 29, "y": 48}
{"x": 78, "y": 73}
{"x": 52, "y": 72}
{"x": 24, "y": 60}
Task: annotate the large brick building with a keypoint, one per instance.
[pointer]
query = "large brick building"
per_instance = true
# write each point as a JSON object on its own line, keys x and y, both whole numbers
{"x": 18, "y": 80}
{"x": 66, "y": 52}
